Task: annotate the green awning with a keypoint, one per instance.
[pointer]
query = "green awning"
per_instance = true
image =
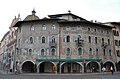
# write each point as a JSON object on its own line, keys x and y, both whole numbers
{"x": 67, "y": 60}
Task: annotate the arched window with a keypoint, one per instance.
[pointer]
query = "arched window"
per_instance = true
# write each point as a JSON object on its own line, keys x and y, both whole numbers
{"x": 53, "y": 52}
{"x": 31, "y": 40}
{"x": 102, "y": 40}
{"x": 31, "y": 28}
{"x": 90, "y": 51}
{"x": 30, "y": 52}
{"x": 89, "y": 39}
{"x": 110, "y": 53}
{"x": 108, "y": 41}
{"x": 79, "y": 37}
{"x": 96, "y": 52}
{"x": 42, "y": 52}
{"x": 95, "y": 40}
{"x": 53, "y": 39}
{"x": 68, "y": 39}
{"x": 104, "y": 52}
{"x": 68, "y": 51}
{"x": 79, "y": 51}
{"x": 43, "y": 39}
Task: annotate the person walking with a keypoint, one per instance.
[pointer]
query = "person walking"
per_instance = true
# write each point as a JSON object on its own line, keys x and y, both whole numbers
{"x": 111, "y": 69}
{"x": 104, "y": 70}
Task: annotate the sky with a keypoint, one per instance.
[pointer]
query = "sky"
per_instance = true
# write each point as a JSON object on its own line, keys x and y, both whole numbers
{"x": 100, "y": 10}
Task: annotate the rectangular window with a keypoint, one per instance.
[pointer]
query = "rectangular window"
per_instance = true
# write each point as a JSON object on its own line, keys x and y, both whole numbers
{"x": 68, "y": 28}
{"x": 78, "y": 28}
{"x": 44, "y": 27}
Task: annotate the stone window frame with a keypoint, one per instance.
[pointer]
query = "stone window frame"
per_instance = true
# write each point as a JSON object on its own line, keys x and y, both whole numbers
{"x": 53, "y": 27}
{"x": 68, "y": 51}
{"x": 79, "y": 53}
{"x": 43, "y": 39}
{"x": 52, "y": 52}
{"x": 44, "y": 27}
{"x": 31, "y": 40}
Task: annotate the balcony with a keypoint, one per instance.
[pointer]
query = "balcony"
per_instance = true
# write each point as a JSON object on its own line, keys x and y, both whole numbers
{"x": 53, "y": 44}
{"x": 79, "y": 43}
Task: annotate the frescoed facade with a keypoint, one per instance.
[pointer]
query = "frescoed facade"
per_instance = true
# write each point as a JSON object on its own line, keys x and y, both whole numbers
{"x": 63, "y": 43}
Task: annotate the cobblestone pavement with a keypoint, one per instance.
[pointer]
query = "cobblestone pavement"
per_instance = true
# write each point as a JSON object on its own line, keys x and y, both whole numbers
{"x": 60, "y": 76}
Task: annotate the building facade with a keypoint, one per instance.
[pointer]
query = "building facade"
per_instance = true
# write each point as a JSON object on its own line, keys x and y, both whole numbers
{"x": 116, "y": 33}
{"x": 61, "y": 43}
{"x": 64, "y": 43}
{"x": 4, "y": 56}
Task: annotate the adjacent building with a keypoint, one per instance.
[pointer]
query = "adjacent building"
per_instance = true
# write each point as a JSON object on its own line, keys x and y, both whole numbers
{"x": 116, "y": 33}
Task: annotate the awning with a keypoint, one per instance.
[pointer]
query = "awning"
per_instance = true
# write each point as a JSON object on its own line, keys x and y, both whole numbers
{"x": 67, "y": 60}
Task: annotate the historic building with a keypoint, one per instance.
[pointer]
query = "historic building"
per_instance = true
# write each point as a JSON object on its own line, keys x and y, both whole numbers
{"x": 4, "y": 56}
{"x": 8, "y": 47}
{"x": 61, "y": 43}
{"x": 116, "y": 33}
{"x": 64, "y": 43}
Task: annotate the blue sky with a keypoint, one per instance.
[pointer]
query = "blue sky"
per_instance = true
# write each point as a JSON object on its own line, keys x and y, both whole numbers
{"x": 100, "y": 10}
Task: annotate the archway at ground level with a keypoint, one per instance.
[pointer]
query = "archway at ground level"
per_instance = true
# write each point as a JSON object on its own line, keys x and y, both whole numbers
{"x": 93, "y": 66}
{"x": 28, "y": 66}
{"x": 71, "y": 67}
{"x": 108, "y": 64}
{"x": 118, "y": 66}
{"x": 47, "y": 67}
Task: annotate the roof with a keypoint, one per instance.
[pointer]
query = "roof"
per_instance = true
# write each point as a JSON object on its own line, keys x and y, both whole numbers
{"x": 31, "y": 17}
{"x": 117, "y": 23}
{"x": 38, "y": 20}
{"x": 84, "y": 22}
{"x": 59, "y": 15}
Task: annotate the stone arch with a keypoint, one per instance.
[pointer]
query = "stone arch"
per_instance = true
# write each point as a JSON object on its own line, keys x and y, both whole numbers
{"x": 28, "y": 66}
{"x": 71, "y": 67}
{"x": 107, "y": 64}
{"x": 46, "y": 67}
{"x": 93, "y": 66}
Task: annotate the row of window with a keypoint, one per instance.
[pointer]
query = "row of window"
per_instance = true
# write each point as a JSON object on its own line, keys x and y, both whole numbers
{"x": 68, "y": 39}
{"x": 43, "y": 40}
{"x": 95, "y": 30}
{"x": 42, "y": 52}
{"x": 32, "y": 28}
{"x": 68, "y": 52}
{"x": 68, "y": 28}
{"x": 80, "y": 52}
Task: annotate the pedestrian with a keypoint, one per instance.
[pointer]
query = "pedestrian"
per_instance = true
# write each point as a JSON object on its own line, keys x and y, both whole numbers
{"x": 111, "y": 69}
{"x": 103, "y": 70}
